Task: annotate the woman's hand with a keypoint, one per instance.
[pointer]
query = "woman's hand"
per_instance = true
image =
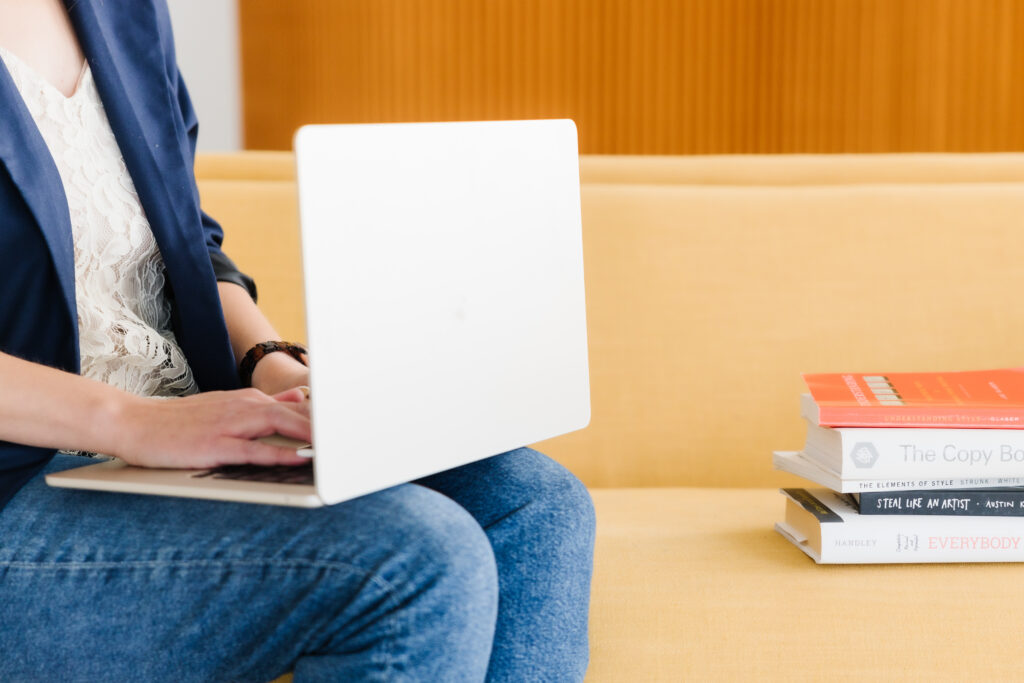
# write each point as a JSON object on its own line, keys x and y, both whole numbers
{"x": 211, "y": 429}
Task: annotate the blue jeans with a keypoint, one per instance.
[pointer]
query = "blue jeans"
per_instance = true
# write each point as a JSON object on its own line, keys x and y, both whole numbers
{"x": 479, "y": 572}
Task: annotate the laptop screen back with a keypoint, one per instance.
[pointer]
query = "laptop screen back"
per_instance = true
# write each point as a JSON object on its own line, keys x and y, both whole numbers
{"x": 444, "y": 294}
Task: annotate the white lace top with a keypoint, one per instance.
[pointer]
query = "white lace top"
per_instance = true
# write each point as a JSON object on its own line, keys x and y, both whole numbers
{"x": 123, "y": 312}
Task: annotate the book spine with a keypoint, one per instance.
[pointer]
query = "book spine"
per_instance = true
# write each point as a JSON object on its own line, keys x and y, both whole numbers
{"x": 862, "y": 486}
{"x": 931, "y": 453}
{"x": 802, "y": 466}
{"x": 952, "y": 417}
{"x": 915, "y": 538}
{"x": 978, "y": 503}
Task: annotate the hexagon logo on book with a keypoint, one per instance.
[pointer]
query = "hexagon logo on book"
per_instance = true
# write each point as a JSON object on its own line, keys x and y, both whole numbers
{"x": 864, "y": 454}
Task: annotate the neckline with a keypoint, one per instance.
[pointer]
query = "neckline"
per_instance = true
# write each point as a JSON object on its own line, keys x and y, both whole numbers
{"x": 10, "y": 58}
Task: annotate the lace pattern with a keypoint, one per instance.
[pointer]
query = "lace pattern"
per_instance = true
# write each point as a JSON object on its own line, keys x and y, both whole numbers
{"x": 124, "y": 316}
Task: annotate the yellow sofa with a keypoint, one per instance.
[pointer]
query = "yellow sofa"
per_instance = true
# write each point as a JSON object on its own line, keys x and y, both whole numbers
{"x": 712, "y": 282}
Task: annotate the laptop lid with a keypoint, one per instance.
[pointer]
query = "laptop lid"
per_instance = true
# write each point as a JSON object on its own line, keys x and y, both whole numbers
{"x": 443, "y": 267}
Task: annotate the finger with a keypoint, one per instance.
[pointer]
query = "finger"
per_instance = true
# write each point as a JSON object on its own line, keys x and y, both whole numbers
{"x": 293, "y": 395}
{"x": 248, "y": 394}
{"x": 262, "y": 454}
{"x": 252, "y": 421}
{"x": 293, "y": 423}
{"x": 297, "y": 408}
{"x": 243, "y": 451}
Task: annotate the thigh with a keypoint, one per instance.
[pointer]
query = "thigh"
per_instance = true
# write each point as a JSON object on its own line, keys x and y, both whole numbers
{"x": 100, "y": 586}
{"x": 493, "y": 488}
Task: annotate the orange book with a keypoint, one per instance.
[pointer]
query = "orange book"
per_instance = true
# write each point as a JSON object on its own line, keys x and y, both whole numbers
{"x": 979, "y": 399}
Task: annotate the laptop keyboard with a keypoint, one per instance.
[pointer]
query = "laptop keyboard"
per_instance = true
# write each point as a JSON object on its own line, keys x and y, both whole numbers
{"x": 277, "y": 474}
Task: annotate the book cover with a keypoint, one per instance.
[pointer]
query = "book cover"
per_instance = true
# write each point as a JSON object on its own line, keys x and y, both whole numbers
{"x": 902, "y": 452}
{"x": 799, "y": 464}
{"x": 827, "y": 527}
{"x": 996, "y": 502}
{"x": 970, "y": 399}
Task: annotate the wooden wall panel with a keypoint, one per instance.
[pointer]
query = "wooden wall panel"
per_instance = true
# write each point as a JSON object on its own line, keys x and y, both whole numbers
{"x": 649, "y": 76}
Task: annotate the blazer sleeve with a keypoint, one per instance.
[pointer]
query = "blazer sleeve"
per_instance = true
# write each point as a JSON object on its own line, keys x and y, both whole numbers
{"x": 224, "y": 268}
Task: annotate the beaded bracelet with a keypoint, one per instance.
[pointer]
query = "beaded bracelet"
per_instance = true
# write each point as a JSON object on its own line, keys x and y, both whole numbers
{"x": 256, "y": 354}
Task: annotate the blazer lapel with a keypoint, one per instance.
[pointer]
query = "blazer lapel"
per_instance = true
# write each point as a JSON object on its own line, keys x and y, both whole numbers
{"x": 28, "y": 161}
{"x": 131, "y": 76}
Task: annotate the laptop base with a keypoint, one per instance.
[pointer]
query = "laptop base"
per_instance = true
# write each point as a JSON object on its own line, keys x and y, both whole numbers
{"x": 116, "y": 475}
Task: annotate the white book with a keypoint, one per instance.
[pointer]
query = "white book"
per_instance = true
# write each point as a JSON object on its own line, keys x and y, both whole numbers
{"x": 826, "y": 526}
{"x": 898, "y": 452}
{"x": 799, "y": 464}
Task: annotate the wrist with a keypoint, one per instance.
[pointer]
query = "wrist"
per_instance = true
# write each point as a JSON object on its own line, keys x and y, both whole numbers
{"x": 278, "y": 372}
{"x": 116, "y": 419}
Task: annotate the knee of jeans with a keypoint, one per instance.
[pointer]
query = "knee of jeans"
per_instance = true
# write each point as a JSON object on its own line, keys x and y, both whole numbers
{"x": 558, "y": 492}
{"x": 576, "y": 507}
{"x": 450, "y": 545}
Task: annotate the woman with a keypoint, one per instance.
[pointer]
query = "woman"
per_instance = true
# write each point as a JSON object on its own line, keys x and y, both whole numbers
{"x": 115, "y": 291}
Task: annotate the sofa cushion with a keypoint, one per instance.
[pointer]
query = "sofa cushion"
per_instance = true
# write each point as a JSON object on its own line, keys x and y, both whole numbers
{"x": 693, "y": 584}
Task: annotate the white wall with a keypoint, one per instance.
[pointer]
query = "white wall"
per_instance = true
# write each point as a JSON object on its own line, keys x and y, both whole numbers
{"x": 206, "y": 36}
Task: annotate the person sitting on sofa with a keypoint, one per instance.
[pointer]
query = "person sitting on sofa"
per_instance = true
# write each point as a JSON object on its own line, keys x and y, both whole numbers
{"x": 115, "y": 290}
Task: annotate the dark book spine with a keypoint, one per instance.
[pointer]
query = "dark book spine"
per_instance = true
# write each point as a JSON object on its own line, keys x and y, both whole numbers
{"x": 971, "y": 502}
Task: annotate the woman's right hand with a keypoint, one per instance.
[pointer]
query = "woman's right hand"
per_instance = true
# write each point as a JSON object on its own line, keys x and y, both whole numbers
{"x": 210, "y": 429}
{"x": 49, "y": 408}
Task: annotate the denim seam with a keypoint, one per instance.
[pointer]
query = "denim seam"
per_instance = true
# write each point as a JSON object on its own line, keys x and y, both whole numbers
{"x": 391, "y": 601}
{"x": 140, "y": 564}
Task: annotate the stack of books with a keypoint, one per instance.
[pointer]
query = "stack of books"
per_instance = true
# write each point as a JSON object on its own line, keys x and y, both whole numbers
{"x": 917, "y": 467}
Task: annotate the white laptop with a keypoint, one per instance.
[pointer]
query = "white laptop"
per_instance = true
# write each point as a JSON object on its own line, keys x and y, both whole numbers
{"x": 443, "y": 269}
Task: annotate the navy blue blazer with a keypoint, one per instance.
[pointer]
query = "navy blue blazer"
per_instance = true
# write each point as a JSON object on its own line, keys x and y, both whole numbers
{"x": 129, "y": 47}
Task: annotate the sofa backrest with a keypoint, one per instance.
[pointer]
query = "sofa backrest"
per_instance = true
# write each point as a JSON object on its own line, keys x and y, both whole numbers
{"x": 713, "y": 282}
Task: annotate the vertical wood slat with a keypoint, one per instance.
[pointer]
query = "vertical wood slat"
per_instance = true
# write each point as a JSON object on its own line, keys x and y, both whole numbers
{"x": 649, "y": 76}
